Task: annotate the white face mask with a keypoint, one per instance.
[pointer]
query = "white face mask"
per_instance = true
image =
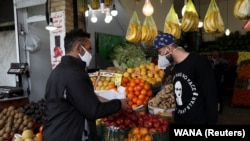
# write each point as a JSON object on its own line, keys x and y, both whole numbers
{"x": 163, "y": 62}
{"x": 86, "y": 57}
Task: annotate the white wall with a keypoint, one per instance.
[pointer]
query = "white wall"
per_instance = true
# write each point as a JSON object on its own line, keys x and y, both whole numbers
{"x": 7, "y": 56}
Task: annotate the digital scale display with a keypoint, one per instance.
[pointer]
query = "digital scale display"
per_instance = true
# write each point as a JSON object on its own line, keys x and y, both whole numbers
{"x": 17, "y": 68}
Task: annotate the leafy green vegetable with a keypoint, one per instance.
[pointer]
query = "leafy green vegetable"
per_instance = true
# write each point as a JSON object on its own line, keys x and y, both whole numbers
{"x": 128, "y": 55}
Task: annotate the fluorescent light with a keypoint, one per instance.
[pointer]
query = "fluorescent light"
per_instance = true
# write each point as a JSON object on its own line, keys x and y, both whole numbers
{"x": 51, "y": 26}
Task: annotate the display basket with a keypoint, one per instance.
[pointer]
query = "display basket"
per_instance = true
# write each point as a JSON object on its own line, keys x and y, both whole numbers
{"x": 161, "y": 136}
{"x": 112, "y": 133}
{"x": 100, "y": 132}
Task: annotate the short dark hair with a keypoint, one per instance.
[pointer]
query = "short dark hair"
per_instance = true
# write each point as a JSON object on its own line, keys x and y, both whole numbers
{"x": 72, "y": 37}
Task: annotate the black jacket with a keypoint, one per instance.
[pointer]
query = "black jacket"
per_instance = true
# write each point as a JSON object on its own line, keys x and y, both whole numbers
{"x": 70, "y": 99}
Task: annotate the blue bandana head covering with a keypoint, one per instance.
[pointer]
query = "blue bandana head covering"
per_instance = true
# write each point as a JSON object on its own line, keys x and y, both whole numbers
{"x": 163, "y": 39}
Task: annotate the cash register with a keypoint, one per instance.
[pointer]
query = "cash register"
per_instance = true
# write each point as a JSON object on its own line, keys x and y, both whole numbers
{"x": 17, "y": 69}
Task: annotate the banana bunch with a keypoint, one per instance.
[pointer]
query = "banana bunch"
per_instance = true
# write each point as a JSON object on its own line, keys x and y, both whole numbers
{"x": 213, "y": 22}
{"x": 173, "y": 29}
{"x": 242, "y": 9}
{"x": 133, "y": 33}
{"x": 148, "y": 33}
{"x": 189, "y": 21}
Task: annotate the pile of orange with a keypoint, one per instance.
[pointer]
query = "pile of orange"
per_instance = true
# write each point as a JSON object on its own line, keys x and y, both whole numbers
{"x": 139, "y": 134}
{"x": 138, "y": 91}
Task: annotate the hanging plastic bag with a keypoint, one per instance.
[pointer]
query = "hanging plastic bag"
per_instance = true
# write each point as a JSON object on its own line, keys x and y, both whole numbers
{"x": 213, "y": 22}
{"x": 148, "y": 30}
{"x": 82, "y": 5}
{"x": 172, "y": 24}
{"x": 32, "y": 42}
{"x": 108, "y": 2}
{"x": 94, "y": 4}
{"x": 190, "y": 19}
{"x": 242, "y": 9}
{"x": 134, "y": 29}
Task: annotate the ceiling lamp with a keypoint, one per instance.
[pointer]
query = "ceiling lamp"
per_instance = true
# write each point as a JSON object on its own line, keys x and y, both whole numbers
{"x": 51, "y": 25}
{"x": 147, "y": 9}
{"x": 104, "y": 10}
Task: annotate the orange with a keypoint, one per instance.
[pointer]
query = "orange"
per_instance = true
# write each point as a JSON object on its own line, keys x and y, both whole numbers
{"x": 148, "y": 138}
{"x": 136, "y": 130}
{"x": 134, "y": 99}
{"x": 139, "y": 102}
{"x": 132, "y": 83}
{"x": 141, "y": 97}
{"x": 130, "y": 95}
{"x": 144, "y": 92}
{"x": 143, "y": 130}
{"x": 147, "y": 87}
{"x": 111, "y": 86}
{"x": 39, "y": 135}
{"x": 130, "y": 88}
{"x": 137, "y": 93}
{"x": 137, "y": 80}
{"x": 150, "y": 93}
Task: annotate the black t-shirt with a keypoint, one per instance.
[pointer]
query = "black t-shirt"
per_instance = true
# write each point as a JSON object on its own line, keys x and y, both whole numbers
{"x": 195, "y": 91}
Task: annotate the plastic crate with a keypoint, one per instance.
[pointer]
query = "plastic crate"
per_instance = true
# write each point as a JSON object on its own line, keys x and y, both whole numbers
{"x": 115, "y": 134}
{"x": 161, "y": 136}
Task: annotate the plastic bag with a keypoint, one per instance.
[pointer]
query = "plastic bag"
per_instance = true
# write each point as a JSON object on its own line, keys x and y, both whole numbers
{"x": 32, "y": 42}
{"x": 190, "y": 19}
{"x": 108, "y": 2}
{"x": 134, "y": 29}
{"x": 148, "y": 30}
{"x": 94, "y": 4}
{"x": 213, "y": 22}
{"x": 242, "y": 9}
{"x": 172, "y": 24}
{"x": 82, "y": 5}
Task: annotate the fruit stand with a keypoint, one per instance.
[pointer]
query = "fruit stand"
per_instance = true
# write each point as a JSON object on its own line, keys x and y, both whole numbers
{"x": 151, "y": 100}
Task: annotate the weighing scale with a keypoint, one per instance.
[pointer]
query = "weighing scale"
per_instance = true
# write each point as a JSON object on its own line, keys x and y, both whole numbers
{"x": 17, "y": 69}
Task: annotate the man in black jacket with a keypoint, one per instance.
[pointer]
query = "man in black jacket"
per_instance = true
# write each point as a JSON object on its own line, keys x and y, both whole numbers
{"x": 71, "y": 104}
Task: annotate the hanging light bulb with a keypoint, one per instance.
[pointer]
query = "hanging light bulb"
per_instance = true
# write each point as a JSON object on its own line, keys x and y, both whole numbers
{"x": 86, "y": 13}
{"x": 200, "y": 25}
{"x": 94, "y": 18}
{"x": 147, "y": 9}
{"x": 227, "y": 32}
{"x": 108, "y": 17}
{"x": 114, "y": 12}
